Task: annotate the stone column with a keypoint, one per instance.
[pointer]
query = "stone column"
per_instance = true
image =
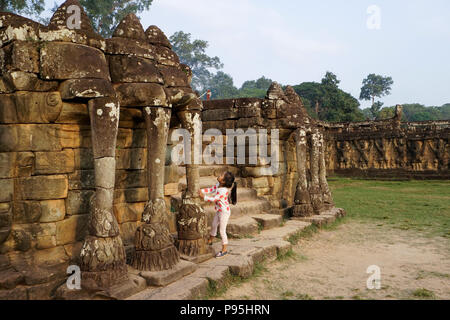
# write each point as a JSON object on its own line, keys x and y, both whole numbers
{"x": 314, "y": 187}
{"x": 302, "y": 201}
{"x": 191, "y": 221}
{"x": 154, "y": 247}
{"x": 326, "y": 193}
{"x": 103, "y": 261}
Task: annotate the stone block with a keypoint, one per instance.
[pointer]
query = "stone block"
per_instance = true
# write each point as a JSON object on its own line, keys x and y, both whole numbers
{"x": 7, "y": 187}
{"x": 21, "y": 56}
{"x": 163, "y": 278}
{"x": 127, "y": 232}
{"x": 86, "y": 88}
{"x": 219, "y": 114}
{"x": 63, "y": 60}
{"x": 54, "y": 162}
{"x": 260, "y": 182}
{"x": 171, "y": 189}
{"x": 141, "y": 94}
{"x": 26, "y": 81}
{"x": 42, "y": 187}
{"x": 52, "y": 210}
{"x": 131, "y": 195}
{"x": 73, "y": 113}
{"x": 82, "y": 179}
{"x": 29, "y": 137}
{"x": 133, "y": 69}
{"x": 78, "y": 201}
{"x": 135, "y": 158}
{"x": 130, "y": 47}
{"x": 174, "y": 76}
{"x": 7, "y": 164}
{"x": 128, "y": 212}
{"x": 71, "y": 229}
{"x": 26, "y": 211}
{"x": 8, "y": 114}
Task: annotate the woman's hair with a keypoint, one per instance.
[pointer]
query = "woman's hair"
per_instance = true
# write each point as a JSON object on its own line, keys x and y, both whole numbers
{"x": 230, "y": 183}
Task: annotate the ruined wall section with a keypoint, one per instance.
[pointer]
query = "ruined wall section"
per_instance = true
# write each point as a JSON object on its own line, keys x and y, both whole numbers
{"x": 278, "y": 187}
{"x": 389, "y": 148}
{"x": 48, "y": 75}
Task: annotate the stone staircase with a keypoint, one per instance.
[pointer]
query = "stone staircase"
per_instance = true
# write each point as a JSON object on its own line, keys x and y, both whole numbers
{"x": 249, "y": 216}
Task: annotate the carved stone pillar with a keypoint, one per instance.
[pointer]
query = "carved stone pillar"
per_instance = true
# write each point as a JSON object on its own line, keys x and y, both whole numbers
{"x": 154, "y": 247}
{"x": 103, "y": 261}
{"x": 314, "y": 187}
{"x": 302, "y": 201}
{"x": 191, "y": 221}
{"x": 326, "y": 193}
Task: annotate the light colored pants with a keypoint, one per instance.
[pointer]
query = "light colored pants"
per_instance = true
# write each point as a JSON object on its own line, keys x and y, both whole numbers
{"x": 221, "y": 219}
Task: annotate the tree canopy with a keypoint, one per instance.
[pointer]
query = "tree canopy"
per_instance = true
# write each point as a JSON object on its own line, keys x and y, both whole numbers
{"x": 192, "y": 53}
{"x": 23, "y": 7}
{"x": 326, "y": 101}
{"x": 375, "y": 86}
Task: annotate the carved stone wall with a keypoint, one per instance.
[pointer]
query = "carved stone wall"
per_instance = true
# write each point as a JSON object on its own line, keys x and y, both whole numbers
{"x": 57, "y": 151}
{"x": 389, "y": 148}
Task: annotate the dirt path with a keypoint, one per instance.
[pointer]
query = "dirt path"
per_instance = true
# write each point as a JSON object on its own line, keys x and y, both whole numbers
{"x": 332, "y": 264}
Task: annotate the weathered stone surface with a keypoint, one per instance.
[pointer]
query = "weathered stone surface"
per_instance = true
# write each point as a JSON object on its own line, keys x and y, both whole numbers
{"x": 62, "y": 60}
{"x": 174, "y": 76}
{"x": 7, "y": 187}
{"x": 58, "y": 28}
{"x": 10, "y": 278}
{"x": 219, "y": 114}
{"x": 7, "y": 164}
{"x": 21, "y": 56}
{"x": 78, "y": 201}
{"x": 86, "y": 88}
{"x": 134, "y": 158}
{"x": 54, "y": 162}
{"x": 73, "y": 113}
{"x": 25, "y": 81}
{"x": 14, "y": 27}
{"x": 130, "y": 27}
{"x": 103, "y": 168}
{"x": 19, "y": 293}
{"x": 42, "y": 187}
{"x": 165, "y": 277}
{"x": 157, "y": 37}
{"x": 29, "y": 137}
{"x": 104, "y": 115}
{"x": 82, "y": 179}
{"x": 166, "y": 56}
{"x": 128, "y": 212}
{"x": 84, "y": 158}
{"x": 71, "y": 229}
{"x": 52, "y": 210}
{"x": 26, "y": 211}
{"x": 131, "y": 47}
{"x": 133, "y": 69}
{"x": 37, "y": 107}
{"x": 141, "y": 94}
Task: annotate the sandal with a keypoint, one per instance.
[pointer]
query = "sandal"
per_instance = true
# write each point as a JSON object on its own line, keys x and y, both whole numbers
{"x": 221, "y": 254}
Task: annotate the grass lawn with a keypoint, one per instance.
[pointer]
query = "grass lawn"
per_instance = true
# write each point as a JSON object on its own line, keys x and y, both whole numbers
{"x": 406, "y": 205}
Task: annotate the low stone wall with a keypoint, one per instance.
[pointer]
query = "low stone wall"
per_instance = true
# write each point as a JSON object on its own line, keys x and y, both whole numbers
{"x": 389, "y": 149}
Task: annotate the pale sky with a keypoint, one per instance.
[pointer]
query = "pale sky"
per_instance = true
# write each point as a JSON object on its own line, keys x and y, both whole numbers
{"x": 296, "y": 41}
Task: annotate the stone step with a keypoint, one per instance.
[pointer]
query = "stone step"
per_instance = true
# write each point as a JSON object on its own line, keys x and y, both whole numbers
{"x": 268, "y": 221}
{"x": 243, "y": 208}
{"x": 325, "y": 217}
{"x": 242, "y": 227}
{"x": 241, "y": 260}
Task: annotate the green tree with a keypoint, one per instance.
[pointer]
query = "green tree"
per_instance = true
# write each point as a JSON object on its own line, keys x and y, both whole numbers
{"x": 385, "y": 113}
{"x": 192, "y": 53}
{"x": 23, "y": 7}
{"x": 326, "y": 101}
{"x": 255, "y": 88}
{"x": 222, "y": 87}
{"x": 375, "y": 86}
